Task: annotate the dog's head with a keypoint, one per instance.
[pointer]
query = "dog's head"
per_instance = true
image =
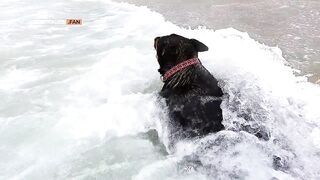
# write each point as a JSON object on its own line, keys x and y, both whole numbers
{"x": 173, "y": 49}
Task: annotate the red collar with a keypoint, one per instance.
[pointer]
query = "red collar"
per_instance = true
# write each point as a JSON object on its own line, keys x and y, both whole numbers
{"x": 179, "y": 67}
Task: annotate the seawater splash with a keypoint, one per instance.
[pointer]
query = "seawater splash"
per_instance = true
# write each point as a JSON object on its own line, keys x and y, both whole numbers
{"x": 76, "y": 101}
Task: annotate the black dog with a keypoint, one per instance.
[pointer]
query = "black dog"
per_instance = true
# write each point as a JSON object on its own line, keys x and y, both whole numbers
{"x": 191, "y": 92}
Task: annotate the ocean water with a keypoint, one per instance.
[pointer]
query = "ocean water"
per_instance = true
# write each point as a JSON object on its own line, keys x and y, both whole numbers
{"x": 293, "y": 26}
{"x": 81, "y": 102}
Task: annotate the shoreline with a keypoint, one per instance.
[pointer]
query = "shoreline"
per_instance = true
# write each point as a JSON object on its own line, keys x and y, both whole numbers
{"x": 292, "y": 26}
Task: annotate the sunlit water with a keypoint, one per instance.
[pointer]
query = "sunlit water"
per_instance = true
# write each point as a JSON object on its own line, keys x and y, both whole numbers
{"x": 76, "y": 101}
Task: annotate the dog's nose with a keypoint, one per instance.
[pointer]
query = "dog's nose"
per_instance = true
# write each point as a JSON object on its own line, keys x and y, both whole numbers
{"x": 156, "y": 42}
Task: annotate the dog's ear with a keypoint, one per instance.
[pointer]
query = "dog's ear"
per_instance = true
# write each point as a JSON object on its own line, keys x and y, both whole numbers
{"x": 155, "y": 42}
{"x": 200, "y": 47}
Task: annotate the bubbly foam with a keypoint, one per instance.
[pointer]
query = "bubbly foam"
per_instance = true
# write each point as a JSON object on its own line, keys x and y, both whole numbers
{"x": 75, "y": 99}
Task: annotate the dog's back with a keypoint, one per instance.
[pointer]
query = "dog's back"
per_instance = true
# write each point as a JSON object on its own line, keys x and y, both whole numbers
{"x": 194, "y": 105}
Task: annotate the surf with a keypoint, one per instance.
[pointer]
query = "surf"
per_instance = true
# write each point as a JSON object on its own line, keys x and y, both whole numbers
{"x": 75, "y": 100}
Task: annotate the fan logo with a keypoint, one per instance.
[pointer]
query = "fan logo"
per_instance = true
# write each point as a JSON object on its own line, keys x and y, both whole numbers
{"x": 74, "y": 21}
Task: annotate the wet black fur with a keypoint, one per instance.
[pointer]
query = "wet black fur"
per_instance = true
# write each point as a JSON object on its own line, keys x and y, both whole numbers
{"x": 192, "y": 95}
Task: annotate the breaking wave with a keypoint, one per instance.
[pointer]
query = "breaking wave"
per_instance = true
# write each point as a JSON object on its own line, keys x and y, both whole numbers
{"x": 76, "y": 102}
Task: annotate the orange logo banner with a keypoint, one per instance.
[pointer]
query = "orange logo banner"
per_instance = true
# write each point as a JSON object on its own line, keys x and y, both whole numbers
{"x": 74, "y": 21}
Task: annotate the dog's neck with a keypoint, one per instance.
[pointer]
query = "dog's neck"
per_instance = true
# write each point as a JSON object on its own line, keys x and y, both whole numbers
{"x": 179, "y": 67}
{"x": 183, "y": 77}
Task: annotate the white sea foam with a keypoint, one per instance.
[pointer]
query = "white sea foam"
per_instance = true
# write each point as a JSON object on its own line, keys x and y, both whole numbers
{"x": 75, "y": 100}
